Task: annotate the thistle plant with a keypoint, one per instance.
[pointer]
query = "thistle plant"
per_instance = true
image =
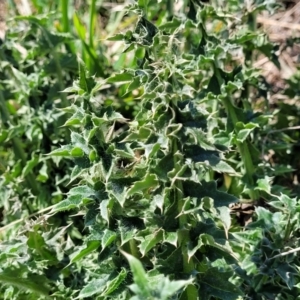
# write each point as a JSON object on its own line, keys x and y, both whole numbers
{"x": 157, "y": 142}
{"x": 149, "y": 187}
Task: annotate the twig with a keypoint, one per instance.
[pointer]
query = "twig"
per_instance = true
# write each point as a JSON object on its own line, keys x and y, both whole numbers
{"x": 285, "y": 253}
{"x": 25, "y": 218}
{"x": 278, "y": 23}
{"x": 283, "y": 129}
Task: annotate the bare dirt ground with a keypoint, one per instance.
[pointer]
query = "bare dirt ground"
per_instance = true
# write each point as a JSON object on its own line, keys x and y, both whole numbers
{"x": 282, "y": 28}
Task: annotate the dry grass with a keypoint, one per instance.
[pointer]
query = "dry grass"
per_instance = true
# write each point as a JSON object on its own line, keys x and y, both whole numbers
{"x": 3, "y": 13}
{"x": 281, "y": 27}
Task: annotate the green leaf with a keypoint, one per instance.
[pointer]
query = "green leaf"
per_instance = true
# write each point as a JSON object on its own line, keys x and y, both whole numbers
{"x": 264, "y": 184}
{"x": 223, "y": 167}
{"x": 93, "y": 156}
{"x": 96, "y": 233}
{"x": 171, "y": 238}
{"x": 107, "y": 238}
{"x": 151, "y": 150}
{"x": 62, "y": 151}
{"x": 95, "y": 286}
{"x": 91, "y": 215}
{"x": 207, "y": 239}
{"x": 84, "y": 191}
{"x": 143, "y": 3}
{"x": 105, "y": 206}
{"x": 30, "y": 164}
{"x": 117, "y": 37}
{"x": 69, "y": 63}
{"x": 165, "y": 165}
{"x": 208, "y": 189}
{"x": 215, "y": 283}
{"x": 80, "y": 28}
{"x": 43, "y": 173}
{"x": 71, "y": 202}
{"x": 244, "y": 37}
{"x": 140, "y": 277}
{"x": 86, "y": 83}
{"x": 134, "y": 84}
{"x": 149, "y": 241}
{"x": 166, "y": 288}
{"x": 79, "y": 141}
{"x": 224, "y": 214}
{"x": 244, "y": 130}
{"x": 76, "y": 198}
{"x": 198, "y": 154}
{"x": 123, "y": 77}
{"x": 118, "y": 187}
{"x": 33, "y": 284}
{"x": 287, "y": 273}
{"x": 150, "y": 181}
{"x": 115, "y": 283}
{"x": 3, "y": 135}
{"x": 76, "y": 118}
{"x": 172, "y": 25}
{"x": 90, "y": 247}
{"x": 77, "y": 152}
{"x": 265, "y": 215}
{"x": 76, "y": 172}
{"x": 127, "y": 234}
{"x": 125, "y": 151}
{"x": 54, "y": 38}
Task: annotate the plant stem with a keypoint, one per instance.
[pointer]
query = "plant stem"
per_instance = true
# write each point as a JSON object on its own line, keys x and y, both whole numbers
{"x": 242, "y": 146}
{"x": 286, "y": 253}
{"x": 92, "y": 15}
{"x": 170, "y": 7}
{"x": 92, "y": 23}
{"x": 4, "y": 228}
{"x": 64, "y": 4}
{"x": 134, "y": 249}
{"x": 190, "y": 292}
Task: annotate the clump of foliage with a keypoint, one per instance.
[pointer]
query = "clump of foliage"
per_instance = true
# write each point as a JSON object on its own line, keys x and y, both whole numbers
{"x": 268, "y": 250}
{"x": 155, "y": 190}
{"x": 37, "y": 63}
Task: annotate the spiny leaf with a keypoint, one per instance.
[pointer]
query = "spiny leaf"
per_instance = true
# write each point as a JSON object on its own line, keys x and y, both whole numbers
{"x": 208, "y": 189}
{"x": 79, "y": 141}
{"x": 166, "y": 288}
{"x": 127, "y": 234}
{"x": 96, "y": 286}
{"x": 76, "y": 197}
{"x": 288, "y": 274}
{"x": 34, "y": 284}
{"x": 150, "y": 181}
{"x": 115, "y": 283}
{"x": 150, "y": 241}
{"x": 107, "y": 238}
{"x": 171, "y": 237}
{"x": 118, "y": 188}
{"x": 86, "y": 83}
{"x": 214, "y": 283}
{"x": 198, "y": 154}
{"x": 139, "y": 276}
{"x": 207, "y": 239}
{"x": 73, "y": 201}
